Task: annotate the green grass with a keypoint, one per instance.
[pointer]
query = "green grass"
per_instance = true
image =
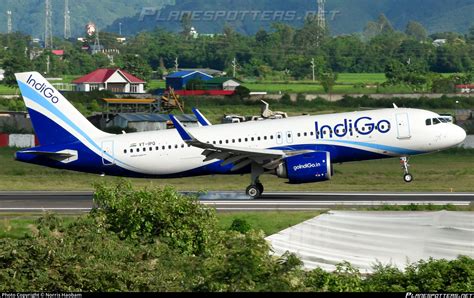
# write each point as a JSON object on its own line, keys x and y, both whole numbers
{"x": 6, "y": 90}
{"x": 438, "y": 172}
{"x": 269, "y": 222}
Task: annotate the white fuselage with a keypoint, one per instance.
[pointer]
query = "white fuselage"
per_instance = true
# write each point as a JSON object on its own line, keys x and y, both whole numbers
{"x": 348, "y": 136}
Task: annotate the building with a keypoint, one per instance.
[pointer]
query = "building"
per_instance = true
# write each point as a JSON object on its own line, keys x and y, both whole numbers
{"x": 178, "y": 80}
{"x": 150, "y": 122}
{"x": 2, "y": 74}
{"x": 209, "y": 71}
{"x": 439, "y": 42}
{"x": 112, "y": 79}
{"x": 467, "y": 88}
{"x": 222, "y": 83}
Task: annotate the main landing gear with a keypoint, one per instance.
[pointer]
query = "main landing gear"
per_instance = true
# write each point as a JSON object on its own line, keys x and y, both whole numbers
{"x": 255, "y": 189}
{"x": 405, "y": 165}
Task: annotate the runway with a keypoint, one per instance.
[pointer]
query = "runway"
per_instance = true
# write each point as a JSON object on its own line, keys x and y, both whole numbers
{"x": 77, "y": 202}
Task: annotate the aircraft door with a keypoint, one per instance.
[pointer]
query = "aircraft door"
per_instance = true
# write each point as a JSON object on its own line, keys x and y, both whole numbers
{"x": 403, "y": 126}
{"x": 108, "y": 158}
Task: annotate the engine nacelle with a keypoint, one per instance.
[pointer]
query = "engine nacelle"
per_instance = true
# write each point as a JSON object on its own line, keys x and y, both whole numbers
{"x": 306, "y": 168}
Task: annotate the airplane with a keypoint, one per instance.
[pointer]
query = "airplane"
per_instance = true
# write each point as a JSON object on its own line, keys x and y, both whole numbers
{"x": 301, "y": 149}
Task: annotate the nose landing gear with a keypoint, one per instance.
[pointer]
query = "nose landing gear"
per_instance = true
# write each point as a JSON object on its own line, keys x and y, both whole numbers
{"x": 405, "y": 165}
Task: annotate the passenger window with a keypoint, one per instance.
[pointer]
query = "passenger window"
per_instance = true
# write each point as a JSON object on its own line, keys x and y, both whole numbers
{"x": 259, "y": 138}
{"x": 131, "y": 150}
{"x": 299, "y": 135}
{"x": 169, "y": 147}
{"x": 240, "y": 140}
{"x": 182, "y": 146}
{"x": 271, "y": 137}
{"x": 265, "y": 138}
{"x": 246, "y": 139}
{"x": 163, "y": 147}
{"x": 125, "y": 151}
{"x": 151, "y": 148}
{"x": 305, "y": 134}
{"x": 311, "y": 133}
{"x": 253, "y": 139}
{"x": 220, "y": 142}
{"x": 157, "y": 148}
{"x": 175, "y": 146}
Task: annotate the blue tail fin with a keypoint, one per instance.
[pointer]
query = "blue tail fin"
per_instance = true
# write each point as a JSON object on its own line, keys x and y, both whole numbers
{"x": 55, "y": 120}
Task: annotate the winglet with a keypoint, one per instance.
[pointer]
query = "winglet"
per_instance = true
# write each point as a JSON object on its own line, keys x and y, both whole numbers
{"x": 200, "y": 117}
{"x": 185, "y": 135}
{"x": 395, "y": 106}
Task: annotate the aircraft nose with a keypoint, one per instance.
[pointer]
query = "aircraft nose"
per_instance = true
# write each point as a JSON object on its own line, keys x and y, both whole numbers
{"x": 458, "y": 134}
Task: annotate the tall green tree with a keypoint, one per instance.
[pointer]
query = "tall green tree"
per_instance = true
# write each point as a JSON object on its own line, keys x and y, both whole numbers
{"x": 136, "y": 65}
{"x": 416, "y": 31}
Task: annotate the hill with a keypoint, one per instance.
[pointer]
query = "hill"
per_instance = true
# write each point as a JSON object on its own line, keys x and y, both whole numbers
{"x": 29, "y": 15}
{"x": 344, "y": 16}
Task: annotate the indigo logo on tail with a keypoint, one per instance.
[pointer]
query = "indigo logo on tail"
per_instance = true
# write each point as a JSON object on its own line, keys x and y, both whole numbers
{"x": 43, "y": 89}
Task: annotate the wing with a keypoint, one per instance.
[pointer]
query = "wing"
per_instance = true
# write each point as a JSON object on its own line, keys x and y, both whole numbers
{"x": 238, "y": 156}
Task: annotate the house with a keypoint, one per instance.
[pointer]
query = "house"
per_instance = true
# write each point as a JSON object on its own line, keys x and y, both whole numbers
{"x": 439, "y": 42}
{"x": 112, "y": 79}
{"x": 222, "y": 83}
{"x": 467, "y": 88}
{"x": 2, "y": 74}
{"x": 150, "y": 122}
{"x": 178, "y": 80}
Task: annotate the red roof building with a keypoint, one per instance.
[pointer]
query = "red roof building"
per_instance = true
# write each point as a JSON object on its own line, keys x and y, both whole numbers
{"x": 466, "y": 88}
{"x": 112, "y": 79}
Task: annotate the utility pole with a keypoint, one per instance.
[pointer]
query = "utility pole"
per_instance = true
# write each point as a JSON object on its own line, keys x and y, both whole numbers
{"x": 120, "y": 29}
{"x": 47, "y": 64}
{"x": 67, "y": 20}
{"x": 96, "y": 41}
{"x": 313, "y": 66}
{"x": 48, "y": 26}
{"x": 234, "y": 66}
{"x": 9, "y": 22}
{"x": 176, "y": 64}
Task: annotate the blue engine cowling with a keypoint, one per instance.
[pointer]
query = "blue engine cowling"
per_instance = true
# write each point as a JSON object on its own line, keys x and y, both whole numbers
{"x": 306, "y": 168}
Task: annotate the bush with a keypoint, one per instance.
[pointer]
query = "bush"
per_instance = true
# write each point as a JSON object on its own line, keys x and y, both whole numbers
{"x": 240, "y": 225}
{"x": 156, "y": 214}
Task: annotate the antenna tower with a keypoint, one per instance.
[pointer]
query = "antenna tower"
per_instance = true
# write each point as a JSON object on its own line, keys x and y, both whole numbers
{"x": 9, "y": 22}
{"x": 67, "y": 20}
{"x": 321, "y": 18}
{"x": 48, "y": 26}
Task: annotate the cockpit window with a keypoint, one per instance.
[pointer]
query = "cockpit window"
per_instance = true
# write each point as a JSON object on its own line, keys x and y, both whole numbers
{"x": 436, "y": 121}
{"x": 428, "y": 122}
{"x": 444, "y": 120}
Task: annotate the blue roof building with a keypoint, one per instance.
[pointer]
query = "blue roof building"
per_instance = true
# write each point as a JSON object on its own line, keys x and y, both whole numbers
{"x": 178, "y": 80}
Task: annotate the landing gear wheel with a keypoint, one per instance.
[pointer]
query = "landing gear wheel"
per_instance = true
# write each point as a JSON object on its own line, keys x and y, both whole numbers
{"x": 253, "y": 191}
{"x": 260, "y": 187}
{"x": 408, "y": 178}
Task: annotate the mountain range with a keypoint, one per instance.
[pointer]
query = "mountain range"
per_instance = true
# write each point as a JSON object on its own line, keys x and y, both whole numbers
{"x": 245, "y": 16}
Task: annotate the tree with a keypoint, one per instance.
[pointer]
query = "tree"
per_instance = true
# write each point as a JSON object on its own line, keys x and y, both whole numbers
{"x": 136, "y": 65}
{"x": 470, "y": 35}
{"x": 384, "y": 24}
{"x": 416, "y": 31}
{"x": 12, "y": 64}
{"x": 328, "y": 80}
{"x": 186, "y": 24}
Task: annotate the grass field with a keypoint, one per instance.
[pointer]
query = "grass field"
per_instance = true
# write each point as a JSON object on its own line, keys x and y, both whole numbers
{"x": 440, "y": 172}
{"x": 268, "y": 222}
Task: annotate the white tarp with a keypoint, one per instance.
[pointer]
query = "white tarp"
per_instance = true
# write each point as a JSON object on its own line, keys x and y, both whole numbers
{"x": 363, "y": 238}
